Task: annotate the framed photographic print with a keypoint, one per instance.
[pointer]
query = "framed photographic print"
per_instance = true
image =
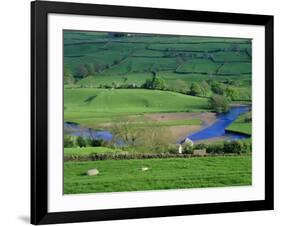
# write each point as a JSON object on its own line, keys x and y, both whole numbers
{"x": 145, "y": 112}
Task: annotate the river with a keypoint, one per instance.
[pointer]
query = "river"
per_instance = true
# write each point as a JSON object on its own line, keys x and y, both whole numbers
{"x": 216, "y": 130}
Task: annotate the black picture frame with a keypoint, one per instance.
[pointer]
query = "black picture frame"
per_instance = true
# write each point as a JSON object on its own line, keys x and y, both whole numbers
{"x": 39, "y": 112}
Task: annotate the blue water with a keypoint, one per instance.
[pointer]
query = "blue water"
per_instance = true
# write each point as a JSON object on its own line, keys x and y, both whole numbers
{"x": 218, "y": 128}
{"x": 76, "y": 130}
{"x": 215, "y": 130}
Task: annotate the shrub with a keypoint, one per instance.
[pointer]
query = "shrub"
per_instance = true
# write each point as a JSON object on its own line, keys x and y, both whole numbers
{"x": 233, "y": 147}
{"x": 217, "y": 88}
{"x": 173, "y": 149}
{"x": 195, "y": 89}
{"x": 200, "y": 146}
{"x": 238, "y": 146}
{"x": 215, "y": 149}
{"x": 97, "y": 143}
{"x": 94, "y": 142}
{"x": 247, "y": 146}
{"x": 68, "y": 142}
{"x": 248, "y": 118}
{"x": 81, "y": 142}
{"x": 219, "y": 103}
{"x": 155, "y": 82}
{"x": 228, "y": 147}
{"x": 81, "y": 72}
{"x": 187, "y": 148}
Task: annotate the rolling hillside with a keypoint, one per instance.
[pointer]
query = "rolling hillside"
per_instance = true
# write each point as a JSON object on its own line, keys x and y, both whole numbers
{"x": 90, "y": 105}
{"x": 127, "y": 54}
{"x": 130, "y": 100}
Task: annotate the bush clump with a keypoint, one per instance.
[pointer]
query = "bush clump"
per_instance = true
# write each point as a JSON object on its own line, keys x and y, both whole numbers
{"x": 79, "y": 141}
{"x": 228, "y": 147}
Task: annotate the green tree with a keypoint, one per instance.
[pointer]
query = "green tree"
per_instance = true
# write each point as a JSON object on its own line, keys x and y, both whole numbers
{"x": 217, "y": 88}
{"x": 67, "y": 76}
{"x": 68, "y": 142}
{"x": 98, "y": 67}
{"x": 81, "y": 142}
{"x": 155, "y": 83}
{"x": 219, "y": 103}
{"x": 126, "y": 133}
{"x": 125, "y": 79}
{"x": 66, "y": 72}
{"x": 205, "y": 88}
{"x": 81, "y": 72}
{"x": 90, "y": 68}
{"x": 232, "y": 93}
{"x": 195, "y": 89}
{"x": 180, "y": 86}
{"x": 236, "y": 146}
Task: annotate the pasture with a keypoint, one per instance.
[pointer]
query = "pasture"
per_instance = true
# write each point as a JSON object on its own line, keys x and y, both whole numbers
{"x": 241, "y": 124}
{"x": 126, "y": 175}
{"x": 151, "y": 92}
{"x": 90, "y": 106}
{"x": 130, "y": 59}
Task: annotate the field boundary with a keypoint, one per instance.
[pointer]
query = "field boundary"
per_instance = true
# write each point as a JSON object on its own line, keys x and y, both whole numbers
{"x": 100, "y": 157}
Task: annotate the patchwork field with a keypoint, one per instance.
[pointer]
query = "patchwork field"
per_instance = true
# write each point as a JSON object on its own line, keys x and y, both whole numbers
{"x": 100, "y": 59}
{"x": 132, "y": 102}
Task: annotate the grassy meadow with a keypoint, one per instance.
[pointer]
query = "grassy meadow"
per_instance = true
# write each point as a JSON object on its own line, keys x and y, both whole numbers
{"x": 243, "y": 124}
{"x": 144, "y": 94}
{"x": 126, "y": 175}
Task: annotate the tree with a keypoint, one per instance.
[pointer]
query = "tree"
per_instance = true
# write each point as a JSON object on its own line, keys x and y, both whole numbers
{"x": 181, "y": 86}
{"x": 66, "y": 72}
{"x": 155, "y": 83}
{"x": 144, "y": 138}
{"x": 68, "y": 142}
{"x": 90, "y": 68}
{"x": 123, "y": 132}
{"x": 232, "y": 93}
{"x": 235, "y": 146}
{"x": 217, "y": 88}
{"x": 205, "y": 88}
{"x": 98, "y": 67}
{"x": 155, "y": 139}
{"x": 67, "y": 76}
{"x": 125, "y": 79}
{"x": 195, "y": 89}
{"x": 81, "y": 72}
{"x": 219, "y": 103}
{"x": 81, "y": 142}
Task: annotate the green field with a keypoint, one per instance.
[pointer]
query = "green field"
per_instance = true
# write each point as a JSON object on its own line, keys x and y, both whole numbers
{"x": 135, "y": 56}
{"x": 149, "y": 92}
{"x": 241, "y": 126}
{"x": 126, "y": 175}
{"x": 86, "y": 151}
{"x": 199, "y": 66}
{"x": 89, "y": 106}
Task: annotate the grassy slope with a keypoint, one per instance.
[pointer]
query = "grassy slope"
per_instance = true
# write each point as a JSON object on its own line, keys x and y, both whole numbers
{"x": 90, "y": 105}
{"x": 169, "y": 77}
{"x": 134, "y": 57}
{"x": 240, "y": 126}
{"x": 137, "y": 53}
{"x": 126, "y": 175}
